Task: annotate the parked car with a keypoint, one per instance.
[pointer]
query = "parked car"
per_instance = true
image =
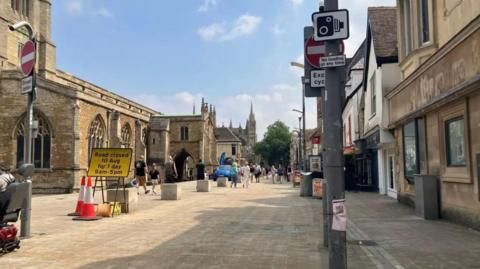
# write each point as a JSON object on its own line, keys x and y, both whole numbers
{"x": 222, "y": 171}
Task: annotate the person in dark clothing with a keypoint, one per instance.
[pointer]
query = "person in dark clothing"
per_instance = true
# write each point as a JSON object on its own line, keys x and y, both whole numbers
{"x": 200, "y": 170}
{"x": 171, "y": 174}
{"x": 154, "y": 176}
{"x": 140, "y": 174}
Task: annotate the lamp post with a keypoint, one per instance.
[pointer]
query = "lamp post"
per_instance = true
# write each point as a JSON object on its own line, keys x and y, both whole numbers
{"x": 304, "y": 163}
{"x": 27, "y": 205}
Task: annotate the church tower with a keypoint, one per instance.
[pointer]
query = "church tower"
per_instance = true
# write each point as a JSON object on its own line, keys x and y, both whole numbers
{"x": 251, "y": 128}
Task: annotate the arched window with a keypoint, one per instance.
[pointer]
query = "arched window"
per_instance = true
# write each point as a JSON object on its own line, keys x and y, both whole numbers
{"x": 126, "y": 135}
{"x": 41, "y": 144}
{"x": 21, "y": 6}
{"x": 96, "y": 134}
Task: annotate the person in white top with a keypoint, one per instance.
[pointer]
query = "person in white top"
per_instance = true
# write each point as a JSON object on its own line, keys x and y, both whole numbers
{"x": 273, "y": 171}
{"x": 246, "y": 175}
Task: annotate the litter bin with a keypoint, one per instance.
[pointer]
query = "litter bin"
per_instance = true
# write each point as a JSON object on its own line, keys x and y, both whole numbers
{"x": 426, "y": 197}
{"x": 306, "y": 184}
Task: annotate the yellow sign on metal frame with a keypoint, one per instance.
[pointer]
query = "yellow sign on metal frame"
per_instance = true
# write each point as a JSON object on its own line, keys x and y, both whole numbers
{"x": 110, "y": 162}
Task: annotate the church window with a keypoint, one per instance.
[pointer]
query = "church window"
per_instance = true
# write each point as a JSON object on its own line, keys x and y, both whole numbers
{"x": 126, "y": 134}
{"x": 184, "y": 133}
{"x": 96, "y": 134}
{"x": 41, "y": 144}
{"x": 21, "y": 6}
{"x": 234, "y": 149}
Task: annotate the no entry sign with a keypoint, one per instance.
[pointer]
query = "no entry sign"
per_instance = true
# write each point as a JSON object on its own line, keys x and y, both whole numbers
{"x": 314, "y": 50}
{"x": 27, "y": 58}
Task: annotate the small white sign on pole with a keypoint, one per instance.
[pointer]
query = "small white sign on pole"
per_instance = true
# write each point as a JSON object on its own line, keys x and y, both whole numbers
{"x": 27, "y": 85}
{"x": 317, "y": 78}
{"x": 332, "y": 61}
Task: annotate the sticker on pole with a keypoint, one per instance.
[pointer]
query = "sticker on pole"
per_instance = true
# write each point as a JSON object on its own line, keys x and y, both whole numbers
{"x": 331, "y": 25}
{"x": 339, "y": 222}
{"x": 110, "y": 162}
{"x": 27, "y": 58}
{"x": 332, "y": 61}
{"x": 317, "y": 78}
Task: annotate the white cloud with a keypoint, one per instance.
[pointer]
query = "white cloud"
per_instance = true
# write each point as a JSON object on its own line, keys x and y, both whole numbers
{"x": 104, "y": 12}
{"x": 207, "y": 5}
{"x": 276, "y": 30}
{"x": 211, "y": 31}
{"x": 185, "y": 97}
{"x": 74, "y": 7}
{"x": 296, "y": 2}
{"x": 244, "y": 25}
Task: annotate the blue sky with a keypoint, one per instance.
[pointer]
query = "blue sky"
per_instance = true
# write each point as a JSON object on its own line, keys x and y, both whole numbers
{"x": 169, "y": 54}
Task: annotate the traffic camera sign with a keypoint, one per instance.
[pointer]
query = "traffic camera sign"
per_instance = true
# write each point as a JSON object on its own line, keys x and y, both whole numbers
{"x": 27, "y": 58}
{"x": 332, "y": 25}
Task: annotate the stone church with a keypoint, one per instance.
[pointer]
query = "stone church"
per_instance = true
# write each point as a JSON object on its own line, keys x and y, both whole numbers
{"x": 247, "y": 135}
{"x": 75, "y": 116}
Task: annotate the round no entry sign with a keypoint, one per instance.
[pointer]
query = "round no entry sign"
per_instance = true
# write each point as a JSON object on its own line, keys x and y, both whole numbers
{"x": 27, "y": 58}
{"x": 314, "y": 50}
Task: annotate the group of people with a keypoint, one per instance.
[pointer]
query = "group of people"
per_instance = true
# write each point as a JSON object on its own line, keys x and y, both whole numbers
{"x": 171, "y": 174}
{"x": 245, "y": 174}
{"x": 280, "y": 174}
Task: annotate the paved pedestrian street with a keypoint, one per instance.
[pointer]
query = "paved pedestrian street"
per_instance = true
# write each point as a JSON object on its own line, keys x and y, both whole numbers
{"x": 265, "y": 226}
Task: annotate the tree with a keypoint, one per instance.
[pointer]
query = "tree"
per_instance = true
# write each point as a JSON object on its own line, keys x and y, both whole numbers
{"x": 275, "y": 146}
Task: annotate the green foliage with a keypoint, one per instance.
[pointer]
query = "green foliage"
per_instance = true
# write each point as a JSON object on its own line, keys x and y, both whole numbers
{"x": 275, "y": 146}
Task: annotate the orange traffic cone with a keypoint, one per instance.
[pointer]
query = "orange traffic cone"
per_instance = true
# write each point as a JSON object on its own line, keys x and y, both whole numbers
{"x": 78, "y": 210}
{"x": 88, "y": 210}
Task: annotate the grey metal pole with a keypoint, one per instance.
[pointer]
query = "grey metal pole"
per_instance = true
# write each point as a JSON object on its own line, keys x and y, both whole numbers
{"x": 334, "y": 161}
{"x": 304, "y": 127}
{"x": 27, "y": 203}
{"x": 300, "y": 154}
{"x": 324, "y": 183}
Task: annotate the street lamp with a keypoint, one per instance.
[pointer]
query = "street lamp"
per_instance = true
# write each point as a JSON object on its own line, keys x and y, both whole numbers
{"x": 26, "y": 210}
{"x": 299, "y": 65}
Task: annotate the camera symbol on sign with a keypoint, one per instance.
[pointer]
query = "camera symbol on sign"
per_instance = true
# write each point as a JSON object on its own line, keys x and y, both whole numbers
{"x": 328, "y": 25}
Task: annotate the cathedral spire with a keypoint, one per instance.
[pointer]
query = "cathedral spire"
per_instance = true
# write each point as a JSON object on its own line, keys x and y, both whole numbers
{"x": 193, "y": 108}
{"x": 251, "y": 108}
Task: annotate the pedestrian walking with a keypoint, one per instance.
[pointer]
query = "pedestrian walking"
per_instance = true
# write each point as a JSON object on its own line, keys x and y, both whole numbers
{"x": 171, "y": 174}
{"x": 245, "y": 175}
{"x": 273, "y": 172}
{"x": 280, "y": 173}
{"x": 140, "y": 174}
{"x": 252, "y": 171}
{"x": 258, "y": 172}
{"x": 154, "y": 176}
{"x": 200, "y": 170}
{"x": 234, "y": 175}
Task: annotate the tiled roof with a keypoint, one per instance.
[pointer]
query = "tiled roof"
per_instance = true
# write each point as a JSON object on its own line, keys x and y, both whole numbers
{"x": 383, "y": 27}
{"x": 224, "y": 134}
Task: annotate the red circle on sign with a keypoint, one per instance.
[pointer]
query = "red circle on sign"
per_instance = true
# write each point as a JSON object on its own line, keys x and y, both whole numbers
{"x": 314, "y": 50}
{"x": 27, "y": 58}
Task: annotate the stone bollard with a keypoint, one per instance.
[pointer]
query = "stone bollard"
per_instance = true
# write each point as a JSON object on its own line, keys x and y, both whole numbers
{"x": 171, "y": 191}
{"x": 131, "y": 198}
{"x": 222, "y": 182}
{"x": 203, "y": 185}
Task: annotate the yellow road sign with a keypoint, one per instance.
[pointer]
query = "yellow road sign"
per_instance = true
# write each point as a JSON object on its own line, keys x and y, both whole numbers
{"x": 110, "y": 162}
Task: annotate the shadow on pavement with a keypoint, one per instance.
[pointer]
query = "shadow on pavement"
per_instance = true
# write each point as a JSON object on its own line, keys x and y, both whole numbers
{"x": 270, "y": 235}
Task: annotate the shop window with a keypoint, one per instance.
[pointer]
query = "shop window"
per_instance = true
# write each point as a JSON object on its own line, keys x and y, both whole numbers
{"x": 41, "y": 144}
{"x": 414, "y": 152}
{"x": 455, "y": 140}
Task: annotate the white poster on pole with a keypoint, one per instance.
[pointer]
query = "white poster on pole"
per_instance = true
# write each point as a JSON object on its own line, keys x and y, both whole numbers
{"x": 339, "y": 222}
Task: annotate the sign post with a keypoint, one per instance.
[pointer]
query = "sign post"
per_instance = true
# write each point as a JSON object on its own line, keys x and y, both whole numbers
{"x": 331, "y": 25}
{"x": 110, "y": 164}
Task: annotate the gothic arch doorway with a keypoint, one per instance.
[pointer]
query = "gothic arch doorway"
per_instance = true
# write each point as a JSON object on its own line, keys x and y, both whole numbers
{"x": 185, "y": 164}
